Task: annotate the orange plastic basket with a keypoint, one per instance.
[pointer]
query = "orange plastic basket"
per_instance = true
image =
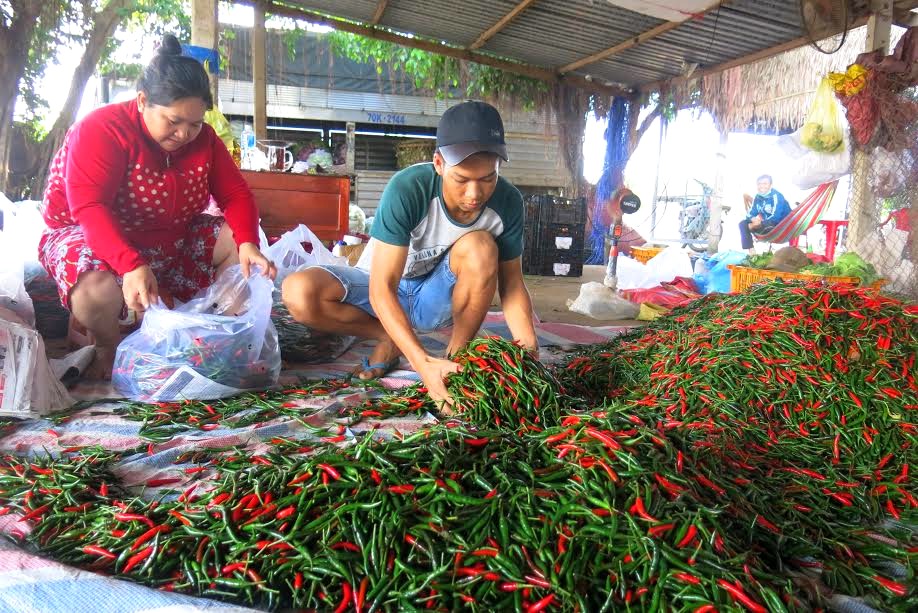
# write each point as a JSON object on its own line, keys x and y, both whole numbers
{"x": 644, "y": 254}
{"x": 742, "y": 277}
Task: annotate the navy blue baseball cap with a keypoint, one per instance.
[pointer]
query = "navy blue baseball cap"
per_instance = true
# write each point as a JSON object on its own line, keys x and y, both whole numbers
{"x": 468, "y": 128}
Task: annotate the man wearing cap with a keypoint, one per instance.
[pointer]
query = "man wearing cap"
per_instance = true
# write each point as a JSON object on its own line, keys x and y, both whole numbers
{"x": 446, "y": 235}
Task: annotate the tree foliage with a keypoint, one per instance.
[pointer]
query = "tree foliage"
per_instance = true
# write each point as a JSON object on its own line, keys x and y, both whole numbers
{"x": 439, "y": 75}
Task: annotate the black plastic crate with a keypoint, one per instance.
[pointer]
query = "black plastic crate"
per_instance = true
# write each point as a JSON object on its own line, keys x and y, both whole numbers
{"x": 554, "y": 209}
{"x": 553, "y": 268}
{"x": 561, "y": 236}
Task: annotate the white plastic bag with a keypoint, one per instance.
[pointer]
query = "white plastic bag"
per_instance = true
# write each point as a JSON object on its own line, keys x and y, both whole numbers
{"x": 218, "y": 344}
{"x": 28, "y": 387}
{"x": 599, "y": 302}
{"x": 670, "y": 263}
{"x": 814, "y": 168}
{"x": 290, "y": 253}
{"x": 22, "y": 226}
{"x": 13, "y": 294}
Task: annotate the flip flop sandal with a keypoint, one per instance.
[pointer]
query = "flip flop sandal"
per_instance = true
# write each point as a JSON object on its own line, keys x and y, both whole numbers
{"x": 385, "y": 367}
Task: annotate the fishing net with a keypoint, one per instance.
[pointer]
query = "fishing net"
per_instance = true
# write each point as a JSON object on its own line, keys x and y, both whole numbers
{"x": 883, "y": 203}
{"x": 617, "y": 135}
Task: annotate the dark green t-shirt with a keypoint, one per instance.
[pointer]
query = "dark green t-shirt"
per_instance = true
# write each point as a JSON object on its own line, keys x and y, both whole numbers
{"x": 411, "y": 214}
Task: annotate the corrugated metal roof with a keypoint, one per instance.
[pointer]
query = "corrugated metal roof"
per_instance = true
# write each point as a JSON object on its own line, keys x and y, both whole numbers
{"x": 555, "y": 33}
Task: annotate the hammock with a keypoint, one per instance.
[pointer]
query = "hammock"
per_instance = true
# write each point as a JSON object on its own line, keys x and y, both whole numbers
{"x": 801, "y": 218}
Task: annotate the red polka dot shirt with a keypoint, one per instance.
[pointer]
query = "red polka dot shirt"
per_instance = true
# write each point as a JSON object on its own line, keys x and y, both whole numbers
{"x": 127, "y": 193}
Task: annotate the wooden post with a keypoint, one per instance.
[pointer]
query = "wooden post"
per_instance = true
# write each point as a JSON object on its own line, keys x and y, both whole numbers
{"x": 259, "y": 73}
{"x": 205, "y": 31}
{"x": 863, "y": 216}
{"x": 350, "y": 153}
{"x": 715, "y": 227}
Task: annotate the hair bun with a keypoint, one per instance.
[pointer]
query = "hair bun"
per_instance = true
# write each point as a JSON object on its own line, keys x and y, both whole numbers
{"x": 170, "y": 46}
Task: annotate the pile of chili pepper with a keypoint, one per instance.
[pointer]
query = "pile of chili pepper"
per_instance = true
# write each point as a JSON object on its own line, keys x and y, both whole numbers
{"x": 713, "y": 462}
{"x": 500, "y": 384}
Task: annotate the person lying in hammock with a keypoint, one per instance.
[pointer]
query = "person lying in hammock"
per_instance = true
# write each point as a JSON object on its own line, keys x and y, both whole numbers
{"x": 768, "y": 209}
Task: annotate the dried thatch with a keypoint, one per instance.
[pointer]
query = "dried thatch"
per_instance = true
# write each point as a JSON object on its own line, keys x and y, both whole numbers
{"x": 772, "y": 93}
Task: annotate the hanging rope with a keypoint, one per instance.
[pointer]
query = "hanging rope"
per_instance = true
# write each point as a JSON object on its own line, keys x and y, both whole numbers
{"x": 613, "y": 169}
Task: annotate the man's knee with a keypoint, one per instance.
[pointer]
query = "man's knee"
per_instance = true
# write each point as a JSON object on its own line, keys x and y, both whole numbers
{"x": 476, "y": 251}
{"x": 303, "y": 293}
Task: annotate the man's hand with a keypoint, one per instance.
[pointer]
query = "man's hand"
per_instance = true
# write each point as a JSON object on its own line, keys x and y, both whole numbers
{"x": 433, "y": 371}
{"x": 140, "y": 289}
{"x": 250, "y": 255}
{"x": 755, "y": 222}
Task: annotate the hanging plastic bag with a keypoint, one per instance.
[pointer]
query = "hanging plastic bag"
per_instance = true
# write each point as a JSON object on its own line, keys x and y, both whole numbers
{"x": 298, "y": 249}
{"x": 218, "y": 344}
{"x": 823, "y": 130}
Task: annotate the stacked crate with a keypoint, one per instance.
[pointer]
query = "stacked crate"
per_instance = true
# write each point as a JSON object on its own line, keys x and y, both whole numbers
{"x": 554, "y": 236}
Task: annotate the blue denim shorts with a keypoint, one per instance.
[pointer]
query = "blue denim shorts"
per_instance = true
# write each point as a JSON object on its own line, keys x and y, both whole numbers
{"x": 427, "y": 300}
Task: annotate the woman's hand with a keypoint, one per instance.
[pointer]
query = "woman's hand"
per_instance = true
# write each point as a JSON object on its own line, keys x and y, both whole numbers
{"x": 140, "y": 289}
{"x": 250, "y": 255}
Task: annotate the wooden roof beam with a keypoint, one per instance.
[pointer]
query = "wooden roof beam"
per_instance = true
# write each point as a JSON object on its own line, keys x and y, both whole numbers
{"x": 764, "y": 54}
{"x": 380, "y": 9}
{"x": 381, "y": 33}
{"x": 501, "y": 24}
{"x": 641, "y": 38}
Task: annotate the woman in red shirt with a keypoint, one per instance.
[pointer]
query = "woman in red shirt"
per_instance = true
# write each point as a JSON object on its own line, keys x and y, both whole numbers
{"x": 125, "y": 202}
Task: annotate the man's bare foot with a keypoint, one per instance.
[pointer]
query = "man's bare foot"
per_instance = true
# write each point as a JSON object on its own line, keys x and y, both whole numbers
{"x": 385, "y": 352}
{"x": 101, "y": 367}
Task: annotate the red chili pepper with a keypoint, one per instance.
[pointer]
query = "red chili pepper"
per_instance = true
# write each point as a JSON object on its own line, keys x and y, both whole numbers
{"x": 613, "y": 476}
{"x": 146, "y": 536}
{"x": 134, "y": 517}
{"x": 36, "y": 512}
{"x": 679, "y": 462}
{"x": 707, "y": 608}
{"x": 331, "y": 471}
{"x": 347, "y": 546}
{"x": 898, "y": 589}
{"x": 286, "y": 512}
{"x": 668, "y": 485}
{"x": 162, "y": 481}
{"x": 740, "y": 596}
{"x": 401, "y": 489}
{"x": 486, "y": 552}
{"x": 687, "y": 578}
{"x": 688, "y": 538}
{"x": 98, "y": 551}
{"x": 537, "y": 581}
{"x": 661, "y": 529}
{"x": 180, "y": 517}
{"x": 345, "y": 599}
{"x": 638, "y": 509}
{"x": 710, "y": 484}
{"x": 892, "y": 509}
{"x": 477, "y": 442}
{"x": 136, "y": 559}
{"x": 540, "y": 605}
{"x": 767, "y": 524}
{"x": 298, "y": 581}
